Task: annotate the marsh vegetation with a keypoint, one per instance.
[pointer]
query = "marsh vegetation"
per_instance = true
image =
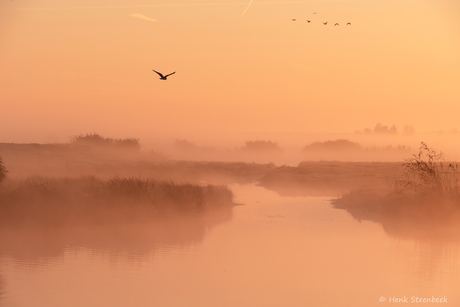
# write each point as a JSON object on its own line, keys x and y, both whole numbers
{"x": 106, "y": 193}
{"x": 96, "y": 140}
{"x": 57, "y": 201}
{"x": 426, "y": 200}
{"x": 429, "y": 176}
{"x": 97, "y": 179}
{"x": 94, "y": 155}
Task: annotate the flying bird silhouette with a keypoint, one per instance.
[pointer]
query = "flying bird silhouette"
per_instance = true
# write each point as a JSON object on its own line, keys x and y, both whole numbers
{"x": 336, "y": 24}
{"x": 293, "y": 19}
{"x": 308, "y": 21}
{"x": 349, "y": 24}
{"x": 325, "y": 23}
{"x": 161, "y": 75}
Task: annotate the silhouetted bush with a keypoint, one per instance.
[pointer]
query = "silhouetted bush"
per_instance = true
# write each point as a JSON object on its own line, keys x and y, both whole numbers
{"x": 427, "y": 175}
{"x": 429, "y": 196}
{"x": 128, "y": 143}
{"x": 97, "y": 140}
{"x": 93, "y": 139}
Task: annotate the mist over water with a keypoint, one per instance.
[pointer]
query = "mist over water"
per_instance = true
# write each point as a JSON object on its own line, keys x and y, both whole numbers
{"x": 272, "y": 250}
{"x": 300, "y": 153}
{"x": 111, "y": 223}
{"x": 101, "y": 218}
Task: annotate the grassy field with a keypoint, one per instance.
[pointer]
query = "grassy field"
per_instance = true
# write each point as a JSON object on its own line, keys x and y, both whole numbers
{"x": 331, "y": 178}
{"x": 306, "y": 179}
{"x": 75, "y": 160}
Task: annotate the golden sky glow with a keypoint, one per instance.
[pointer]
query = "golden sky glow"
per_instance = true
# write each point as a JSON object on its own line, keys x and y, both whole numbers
{"x": 69, "y": 67}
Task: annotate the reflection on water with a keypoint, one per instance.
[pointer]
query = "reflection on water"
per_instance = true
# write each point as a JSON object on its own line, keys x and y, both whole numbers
{"x": 37, "y": 242}
{"x": 436, "y": 219}
{"x": 273, "y": 251}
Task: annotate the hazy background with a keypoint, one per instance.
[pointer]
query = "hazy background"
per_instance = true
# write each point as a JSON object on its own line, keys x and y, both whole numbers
{"x": 71, "y": 67}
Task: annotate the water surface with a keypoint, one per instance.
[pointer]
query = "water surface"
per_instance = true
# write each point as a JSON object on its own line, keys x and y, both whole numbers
{"x": 271, "y": 251}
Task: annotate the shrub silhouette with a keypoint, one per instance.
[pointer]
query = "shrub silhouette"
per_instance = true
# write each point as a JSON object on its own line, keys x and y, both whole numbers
{"x": 427, "y": 175}
{"x": 97, "y": 140}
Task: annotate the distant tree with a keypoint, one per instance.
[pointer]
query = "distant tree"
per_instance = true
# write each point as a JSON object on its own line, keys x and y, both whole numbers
{"x": 367, "y": 130}
{"x": 3, "y": 171}
{"x": 379, "y": 129}
{"x": 262, "y": 146}
{"x": 94, "y": 139}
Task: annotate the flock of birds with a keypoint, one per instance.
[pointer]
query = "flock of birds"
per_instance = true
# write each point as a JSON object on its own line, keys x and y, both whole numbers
{"x": 164, "y": 77}
{"x": 324, "y": 22}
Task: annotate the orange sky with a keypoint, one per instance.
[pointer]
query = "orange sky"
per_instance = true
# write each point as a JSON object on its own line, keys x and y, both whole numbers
{"x": 71, "y": 67}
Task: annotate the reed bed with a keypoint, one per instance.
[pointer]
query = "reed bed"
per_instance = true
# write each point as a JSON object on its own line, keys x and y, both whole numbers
{"x": 430, "y": 193}
{"x": 57, "y": 200}
{"x": 428, "y": 176}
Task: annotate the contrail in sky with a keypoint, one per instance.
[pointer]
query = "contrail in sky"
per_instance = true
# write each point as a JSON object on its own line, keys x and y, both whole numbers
{"x": 180, "y": 5}
{"x": 142, "y": 17}
{"x": 126, "y": 6}
{"x": 247, "y": 7}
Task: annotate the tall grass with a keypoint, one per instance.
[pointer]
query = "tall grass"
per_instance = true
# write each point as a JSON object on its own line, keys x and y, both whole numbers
{"x": 55, "y": 200}
{"x": 427, "y": 199}
{"x": 427, "y": 175}
{"x": 3, "y": 171}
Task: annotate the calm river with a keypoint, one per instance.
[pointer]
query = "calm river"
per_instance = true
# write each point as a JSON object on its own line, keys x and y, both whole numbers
{"x": 271, "y": 251}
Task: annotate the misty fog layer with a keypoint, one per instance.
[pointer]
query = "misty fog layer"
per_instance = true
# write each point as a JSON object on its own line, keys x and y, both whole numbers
{"x": 300, "y": 153}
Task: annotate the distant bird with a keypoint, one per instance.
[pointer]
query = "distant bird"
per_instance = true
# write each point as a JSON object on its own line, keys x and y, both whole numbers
{"x": 325, "y": 23}
{"x": 293, "y": 19}
{"x": 161, "y": 75}
{"x": 336, "y": 24}
{"x": 349, "y": 24}
{"x": 314, "y": 13}
{"x": 308, "y": 21}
